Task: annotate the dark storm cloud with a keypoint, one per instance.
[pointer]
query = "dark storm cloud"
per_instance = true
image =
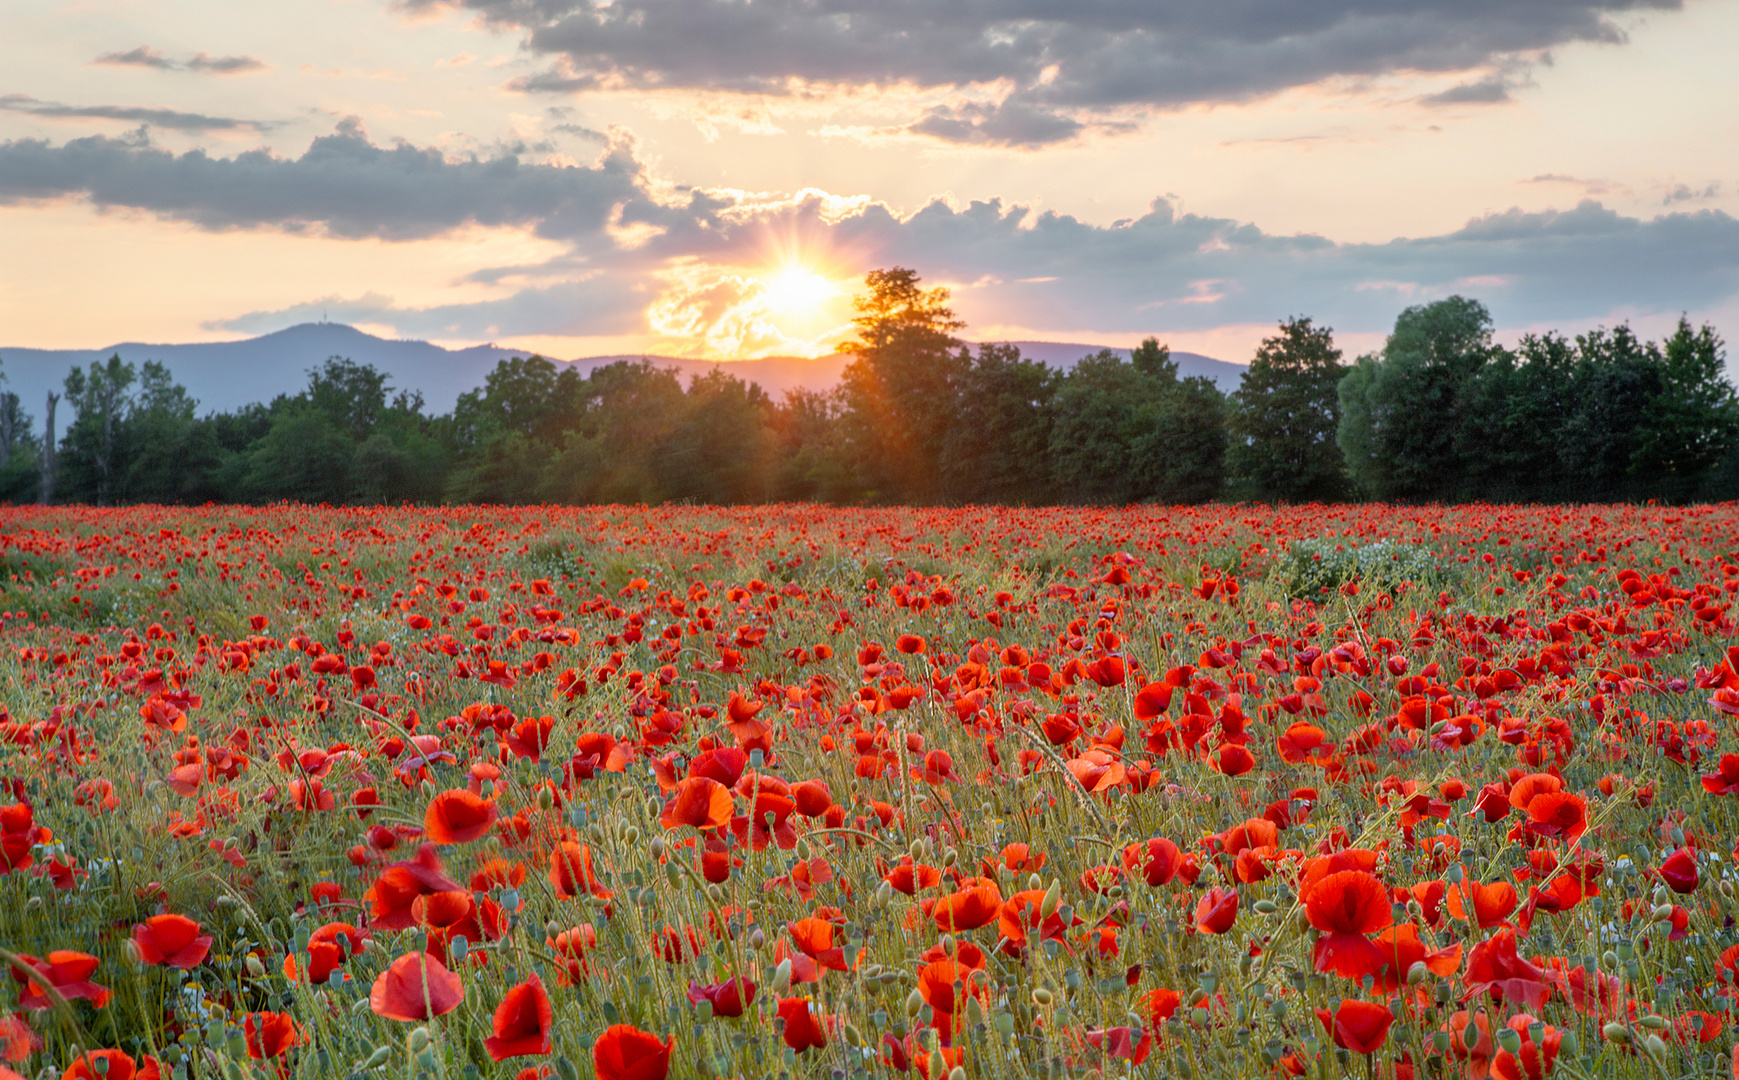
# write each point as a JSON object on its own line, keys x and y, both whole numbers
{"x": 1062, "y": 58}
{"x": 170, "y": 119}
{"x": 344, "y": 184}
{"x": 147, "y": 57}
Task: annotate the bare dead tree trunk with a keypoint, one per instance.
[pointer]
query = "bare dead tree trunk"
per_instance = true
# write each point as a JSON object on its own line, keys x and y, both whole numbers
{"x": 48, "y": 455}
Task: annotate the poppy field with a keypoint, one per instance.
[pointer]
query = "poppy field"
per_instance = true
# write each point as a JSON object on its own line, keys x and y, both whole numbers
{"x": 792, "y": 791}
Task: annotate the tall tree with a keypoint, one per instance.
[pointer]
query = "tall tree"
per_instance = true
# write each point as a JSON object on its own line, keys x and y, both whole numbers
{"x": 1691, "y": 421}
{"x": 1401, "y": 411}
{"x": 101, "y": 394}
{"x": 1284, "y": 416}
{"x": 17, "y": 448}
{"x": 901, "y": 384}
{"x": 996, "y": 445}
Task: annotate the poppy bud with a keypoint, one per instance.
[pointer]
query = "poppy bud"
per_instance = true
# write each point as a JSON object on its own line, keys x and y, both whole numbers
{"x": 782, "y": 976}
{"x": 1053, "y": 897}
{"x": 255, "y": 968}
{"x": 1656, "y": 1049}
{"x": 1033, "y": 881}
{"x": 1725, "y": 886}
{"x": 1042, "y": 997}
{"x": 1417, "y": 973}
{"x": 937, "y": 1062}
{"x": 1662, "y": 912}
{"x": 566, "y": 1069}
{"x": 1616, "y": 1033}
{"x": 428, "y": 789}
{"x": 1653, "y": 1022}
{"x": 917, "y": 849}
{"x": 657, "y": 846}
{"x": 974, "y": 1012}
{"x": 672, "y": 874}
{"x": 1266, "y": 907}
{"x": 949, "y": 857}
{"x": 378, "y": 1058}
{"x": 1004, "y": 1024}
{"x": 546, "y": 799}
{"x": 1609, "y": 959}
{"x": 653, "y": 806}
{"x": 757, "y": 939}
{"x": 596, "y": 832}
{"x": 853, "y": 1037}
{"x": 946, "y": 944}
{"x": 957, "y": 1073}
{"x": 884, "y": 894}
{"x": 914, "y": 1003}
{"x": 1197, "y": 996}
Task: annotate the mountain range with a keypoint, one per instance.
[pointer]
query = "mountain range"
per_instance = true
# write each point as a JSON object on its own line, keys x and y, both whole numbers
{"x": 227, "y": 375}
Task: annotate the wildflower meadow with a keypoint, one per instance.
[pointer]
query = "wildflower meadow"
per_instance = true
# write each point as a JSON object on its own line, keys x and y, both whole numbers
{"x": 1226, "y": 791}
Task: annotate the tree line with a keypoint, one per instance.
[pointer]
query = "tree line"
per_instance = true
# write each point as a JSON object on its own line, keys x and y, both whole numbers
{"x": 1440, "y": 413}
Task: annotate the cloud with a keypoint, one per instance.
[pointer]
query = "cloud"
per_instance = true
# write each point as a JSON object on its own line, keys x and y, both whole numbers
{"x": 1058, "y": 64}
{"x": 203, "y": 63}
{"x": 1487, "y": 91}
{"x": 143, "y": 56}
{"x": 170, "y": 119}
{"x": 640, "y": 250}
{"x": 344, "y": 184}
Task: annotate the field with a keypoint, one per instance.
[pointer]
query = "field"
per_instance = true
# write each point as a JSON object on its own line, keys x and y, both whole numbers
{"x": 1218, "y": 792}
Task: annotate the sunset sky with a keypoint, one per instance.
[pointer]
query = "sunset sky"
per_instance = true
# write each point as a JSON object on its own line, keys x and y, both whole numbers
{"x": 714, "y": 177}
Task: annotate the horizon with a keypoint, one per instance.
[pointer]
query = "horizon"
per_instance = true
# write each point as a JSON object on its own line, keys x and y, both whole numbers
{"x": 579, "y": 181}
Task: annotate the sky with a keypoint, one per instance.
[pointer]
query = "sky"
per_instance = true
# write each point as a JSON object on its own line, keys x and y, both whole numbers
{"x": 714, "y": 177}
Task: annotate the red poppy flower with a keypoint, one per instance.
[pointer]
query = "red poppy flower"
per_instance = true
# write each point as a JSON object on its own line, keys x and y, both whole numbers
{"x": 699, "y": 801}
{"x": 415, "y": 987}
{"x": 111, "y": 1065}
{"x": 728, "y": 998}
{"x": 1232, "y": 760}
{"x": 973, "y": 906}
{"x": 1559, "y": 814}
{"x": 624, "y": 1052}
{"x": 573, "y": 946}
{"x": 803, "y": 1029}
{"x": 68, "y": 972}
{"x": 174, "y": 940}
{"x": 1359, "y": 1026}
{"x": 458, "y": 817}
{"x": 1530, "y": 1060}
{"x": 1493, "y": 966}
{"x": 1155, "y": 860}
{"x": 1121, "y": 1043}
{"x": 570, "y": 873}
{"x": 328, "y": 947}
{"x": 1346, "y": 907}
{"x": 269, "y": 1034}
{"x": 1680, "y": 871}
{"x": 1217, "y": 910}
{"x": 1486, "y": 905}
{"x": 399, "y": 885}
{"x": 1152, "y": 700}
{"x": 521, "y": 1023}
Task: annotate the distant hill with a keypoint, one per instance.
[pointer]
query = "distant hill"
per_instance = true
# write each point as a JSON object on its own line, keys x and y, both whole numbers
{"x": 229, "y": 374}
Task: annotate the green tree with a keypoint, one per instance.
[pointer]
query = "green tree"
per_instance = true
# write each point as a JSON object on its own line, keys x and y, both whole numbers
{"x": 101, "y": 397}
{"x": 1129, "y": 431}
{"x": 722, "y": 448}
{"x": 1284, "y": 416}
{"x": 1691, "y": 421}
{"x": 1401, "y": 412}
{"x": 900, "y": 386}
{"x": 996, "y": 445}
{"x": 18, "y": 449}
{"x": 814, "y": 459}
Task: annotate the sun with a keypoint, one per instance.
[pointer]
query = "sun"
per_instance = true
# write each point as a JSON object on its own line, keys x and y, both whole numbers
{"x": 796, "y": 290}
